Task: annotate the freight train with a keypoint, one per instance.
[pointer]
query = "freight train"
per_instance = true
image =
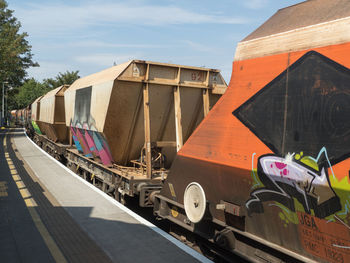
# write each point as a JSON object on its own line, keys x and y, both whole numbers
{"x": 266, "y": 173}
{"x": 121, "y": 128}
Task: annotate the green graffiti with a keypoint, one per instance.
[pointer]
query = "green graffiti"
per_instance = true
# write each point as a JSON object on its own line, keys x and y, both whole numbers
{"x": 256, "y": 181}
{"x": 340, "y": 188}
{"x": 287, "y": 215}
{"x": 254, "y": 174}
{"x": 36, "y": 127}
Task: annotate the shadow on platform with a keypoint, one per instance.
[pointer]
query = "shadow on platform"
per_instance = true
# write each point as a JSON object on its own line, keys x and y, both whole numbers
{"x": 77, "y": 239}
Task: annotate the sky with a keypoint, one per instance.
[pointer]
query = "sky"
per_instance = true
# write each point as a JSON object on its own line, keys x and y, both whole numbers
{"x": 92, "y": 35}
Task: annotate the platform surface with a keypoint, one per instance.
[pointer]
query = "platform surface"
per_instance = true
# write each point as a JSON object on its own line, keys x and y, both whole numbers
{"x": 48, "y": 214}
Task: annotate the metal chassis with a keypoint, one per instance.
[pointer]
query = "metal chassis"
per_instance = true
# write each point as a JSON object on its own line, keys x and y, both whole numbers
{"x": 58, "y": 151}
{"x": 119, "y": 181}
{"x": 240, "y": 242}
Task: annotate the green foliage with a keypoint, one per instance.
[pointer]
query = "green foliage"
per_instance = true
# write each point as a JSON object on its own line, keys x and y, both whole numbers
{"x": 24, "y": 95}
{"x": 16, "y": 58}
{"x": 15, "y": 51}
{"x": 61, "y": 79}
{"x": 28, "y": 92}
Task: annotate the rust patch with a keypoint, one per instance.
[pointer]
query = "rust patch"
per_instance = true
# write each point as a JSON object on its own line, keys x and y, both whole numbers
{"x": 326, "y": 240}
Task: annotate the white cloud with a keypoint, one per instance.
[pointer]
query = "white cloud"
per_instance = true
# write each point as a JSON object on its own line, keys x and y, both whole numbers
{"x": 62, "y": 18}
{"x": 197, "y": 46}
{"x": 255, "y": 4}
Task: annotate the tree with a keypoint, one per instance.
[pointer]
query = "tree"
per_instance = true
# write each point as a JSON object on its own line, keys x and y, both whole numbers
{"x": 28, "y": 92}
{"x": 15, "y": 51}
{"x": 24, "y": 95}
{"x": 61, "y": 79}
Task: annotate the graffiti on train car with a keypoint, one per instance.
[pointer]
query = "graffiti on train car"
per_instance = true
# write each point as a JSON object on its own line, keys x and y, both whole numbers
{"x": 302, "y": 116}
{"x": 295, "y": 176}
{"x": 36, "y": 127}
{"x": 308, "y": 196}
{"x": 83, "y": 127}
{"x": 321, "y": 238}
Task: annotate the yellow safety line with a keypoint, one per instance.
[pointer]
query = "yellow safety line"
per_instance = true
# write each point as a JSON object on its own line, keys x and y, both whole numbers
{"x": 20, "y": 185}
{"x": 24, "y": 192}
{"x": 31, "y": 204}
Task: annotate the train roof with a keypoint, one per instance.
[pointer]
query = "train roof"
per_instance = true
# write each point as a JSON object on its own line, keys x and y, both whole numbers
{"x": 305, "y": 26}
{"x": 57, "y": 91}
{"x": 37, "y": 99}
{"x": 301, "y": 15}
{"x": 109, "y": 74}
{"x": 115, "y": 72}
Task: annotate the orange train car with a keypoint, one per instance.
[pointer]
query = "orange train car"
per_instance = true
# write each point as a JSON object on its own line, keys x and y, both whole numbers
{"x": 266, "y": 174}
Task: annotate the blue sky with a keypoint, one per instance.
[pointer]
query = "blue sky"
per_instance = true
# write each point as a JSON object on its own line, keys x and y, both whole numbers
{"x": 90, "y": 36}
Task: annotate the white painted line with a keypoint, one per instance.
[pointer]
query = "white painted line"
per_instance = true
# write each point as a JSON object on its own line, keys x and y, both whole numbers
{"x": 173, "y": 240}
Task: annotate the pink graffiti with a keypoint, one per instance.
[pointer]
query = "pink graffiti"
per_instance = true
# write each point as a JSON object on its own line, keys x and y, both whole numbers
{"x": 282, "y": 169}
{"x": 91, "y": 144}
{"x": 280, "y": 165}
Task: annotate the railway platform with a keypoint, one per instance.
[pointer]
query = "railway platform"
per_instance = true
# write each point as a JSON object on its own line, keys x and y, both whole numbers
{"x": 49, "y": 214}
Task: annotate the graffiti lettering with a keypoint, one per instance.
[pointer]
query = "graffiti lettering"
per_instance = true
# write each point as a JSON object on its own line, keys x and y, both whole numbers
{"x": 311, "y": 246}
{"x": 333, "y": 255}
{"x": 313, "y": 117}
{"x": 85, "y": 135}
{"x": 295, "y": 176}
{"x": 304, "y": 219}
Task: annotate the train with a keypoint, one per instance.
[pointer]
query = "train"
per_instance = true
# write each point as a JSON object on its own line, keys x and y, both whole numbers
{"x": 121, "y": 128}
{"x": 258, "y": 168}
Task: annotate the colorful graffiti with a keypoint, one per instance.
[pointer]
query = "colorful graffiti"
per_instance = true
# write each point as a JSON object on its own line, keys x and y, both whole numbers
{"x": 92, "y": 144}
{"x": 295, "y": 176}
{"x": 85, "y": 135}
{"x": 305, "y": 108}
{"x": 36, "y": 127}
{"x": 308, "y": 195}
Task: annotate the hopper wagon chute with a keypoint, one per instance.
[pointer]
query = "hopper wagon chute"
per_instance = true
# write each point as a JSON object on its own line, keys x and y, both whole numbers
{"x": 266, "y": 174}
{"x": 27, "y": 116}
{"x": 35, "y": 115}
{"x": 21, "y": 116}
{"x": 48, "y": 120}
{"x": 52, "y": 115}
{"x": 131, "y": 119}
{"x": 13, "y": 115}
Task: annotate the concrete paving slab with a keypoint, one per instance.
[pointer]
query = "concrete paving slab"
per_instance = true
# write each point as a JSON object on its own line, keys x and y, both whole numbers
{"x": 20, "y": 241}
{"x": 119, "y": 232}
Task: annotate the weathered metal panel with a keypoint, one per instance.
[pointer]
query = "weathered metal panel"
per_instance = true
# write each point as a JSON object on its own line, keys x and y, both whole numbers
{"x": 107, "y": 118}
{"x": 35, "y": 115}
{"x": 52, "y": 115}
{"x": 304, "y": 26}
{"x": 36, "y": 109}
{"x": 307, "y": 13}
{"x": 277, "y": 147}
{"x": 102, "y": 80}
{"x": 47, "y": 109}
{"x": 48, "y": 105}
{"x": 124, "y": 121}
